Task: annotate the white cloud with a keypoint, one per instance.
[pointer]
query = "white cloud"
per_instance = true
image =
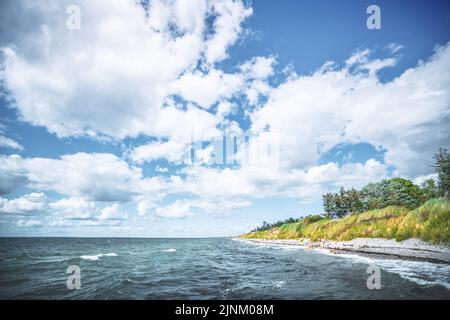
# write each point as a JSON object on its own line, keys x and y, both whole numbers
{"x": 113, "y": 213}
{"x": 120, "y": 59}
{"x": 227, "y": 27}
{"x": 144, "y": 206}
{"x": 6, "y": 142}
{"x": 220, "y": 207}
{"x": 171, "y": 150}
{"x": 28, "y": 223}
{"x": 161, "y": 169}
{"x": 207, "y": 89}
{"x": 28, "y": 204}
{"x": 225, "y": 108}
{"x": 100, "y": 223}
{"x": 258, "y": 67}
{"x": 97, "y": 176}
{"x": 11, "y": 173}
{"x": 407, "y": 116}
{"x": 182, "y": 208}
{"x": 421, "y": 179}
{"x": 74, "y": 208}
{"x": 178, "y": 209}
{"x": 394, "y": 47}
{"x": 253, "y": 182}
{"x": 9, "y": 143}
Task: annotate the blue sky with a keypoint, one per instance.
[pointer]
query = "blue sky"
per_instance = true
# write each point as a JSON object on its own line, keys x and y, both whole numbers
{"x": 95, "y": 120}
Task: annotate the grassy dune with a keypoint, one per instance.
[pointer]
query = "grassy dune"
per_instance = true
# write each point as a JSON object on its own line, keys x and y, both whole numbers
{"x": 430, "y": 222}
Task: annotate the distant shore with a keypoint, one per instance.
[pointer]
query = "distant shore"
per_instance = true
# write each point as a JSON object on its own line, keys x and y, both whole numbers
{"x": 411, "y": 249}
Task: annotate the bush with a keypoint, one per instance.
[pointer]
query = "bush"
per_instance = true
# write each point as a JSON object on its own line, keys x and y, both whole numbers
{"x": 395, "y": 191}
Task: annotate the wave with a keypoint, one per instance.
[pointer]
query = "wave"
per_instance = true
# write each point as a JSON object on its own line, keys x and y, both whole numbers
{"x": 95, "y": 257}
{"x": 169, "y": 250}
{"x": 425, "y": 274}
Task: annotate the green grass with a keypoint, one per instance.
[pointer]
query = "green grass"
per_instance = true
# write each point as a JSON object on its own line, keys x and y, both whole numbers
{"x": 430, "y": 222}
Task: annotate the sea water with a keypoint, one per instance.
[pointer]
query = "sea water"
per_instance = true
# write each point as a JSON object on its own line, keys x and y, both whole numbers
{"x": 216, "y": 268}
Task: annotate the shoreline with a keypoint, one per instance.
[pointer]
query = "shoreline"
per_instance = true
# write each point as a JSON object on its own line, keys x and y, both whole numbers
{"x": 411, "y": 249}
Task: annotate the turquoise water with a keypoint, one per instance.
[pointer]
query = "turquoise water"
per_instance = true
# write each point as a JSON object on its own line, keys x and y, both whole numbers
{"x": 220, "y": 268}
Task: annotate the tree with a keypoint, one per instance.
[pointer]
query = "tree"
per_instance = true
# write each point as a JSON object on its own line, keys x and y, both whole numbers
{"x": 429, "y": 189}
{"x": 395, "y": 191}
{"x": 354, "y": 200}
{"x": 328, "y": 204}
{"x": 442, "y": 165}
{"x": 342, "y": 203}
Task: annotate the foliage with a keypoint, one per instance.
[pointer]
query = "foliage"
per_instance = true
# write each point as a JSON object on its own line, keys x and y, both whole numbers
{"x": 390, "y": 192}
{"x": 267, "y": 226}
{"x": 395, "y": 191}
{"x": 442, "y": 158}
{"x": 337, "y": 205}
{"x": 430, "y": 190}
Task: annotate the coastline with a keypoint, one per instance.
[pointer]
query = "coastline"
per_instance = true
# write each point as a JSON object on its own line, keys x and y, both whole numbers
{"x": 411, "y": 249}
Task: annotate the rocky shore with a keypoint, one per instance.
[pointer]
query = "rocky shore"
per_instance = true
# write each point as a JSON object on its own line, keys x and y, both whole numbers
{"x": 411, "y": 249}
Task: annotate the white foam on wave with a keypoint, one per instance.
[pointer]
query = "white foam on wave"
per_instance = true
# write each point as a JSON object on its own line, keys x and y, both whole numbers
{"x": 423, "y": 273}
{"x": 95, "y": 257}
{"x": 170, "y": 250}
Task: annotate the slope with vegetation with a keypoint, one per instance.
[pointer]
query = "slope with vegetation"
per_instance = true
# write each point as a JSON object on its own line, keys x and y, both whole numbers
{"x": 392, "y": 209}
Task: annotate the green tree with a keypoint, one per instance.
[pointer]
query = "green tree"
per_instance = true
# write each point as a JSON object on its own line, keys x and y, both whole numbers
{"x": 442, "y": 165}
{"x": 395, "y": 191}
{"x": 354, "y": 200}
{"x": 328, "y": 204}
{"x": 430, "y": 189}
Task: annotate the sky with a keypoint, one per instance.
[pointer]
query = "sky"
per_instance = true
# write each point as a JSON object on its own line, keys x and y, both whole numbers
{"x": 198, "y": 118}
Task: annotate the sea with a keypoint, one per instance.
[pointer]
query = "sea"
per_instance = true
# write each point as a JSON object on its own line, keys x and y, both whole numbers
{"x": 209, "y": 268}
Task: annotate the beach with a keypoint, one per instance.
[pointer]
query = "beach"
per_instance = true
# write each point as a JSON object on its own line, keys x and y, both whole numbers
{"x": 411, "y": 249}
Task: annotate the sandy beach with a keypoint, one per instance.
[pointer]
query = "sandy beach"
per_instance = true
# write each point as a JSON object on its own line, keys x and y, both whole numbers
{"x": 411, "y": 249}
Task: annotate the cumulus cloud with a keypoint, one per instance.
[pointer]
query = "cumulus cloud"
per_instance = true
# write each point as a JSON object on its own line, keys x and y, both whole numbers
{"x": 171, "y": 150}
{"x": 123, "y": 58}
{"x": 182, "y": 208}
{"x": 28, "y": 204}
{"x": 11, "y": 173}
{"x": 6, "y": 142}
{"x": 253, "y": 182}
{"x": 258, "y": 67}
{"x": 206, "y": 89}
{"x": 113, "y": 213}
{"x": 227, "y": 27}
{"x": 74, "y": 208}
{"x": 9, "y": 143}
{"x": 98, "y": 176}
{"x": 407, "y": 116}
{"x": 145, "y": 205}
{"x": 178, "y": 209}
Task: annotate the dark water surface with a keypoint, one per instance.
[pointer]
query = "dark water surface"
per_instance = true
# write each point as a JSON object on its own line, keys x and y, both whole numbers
{"x": 220, "y": 268}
